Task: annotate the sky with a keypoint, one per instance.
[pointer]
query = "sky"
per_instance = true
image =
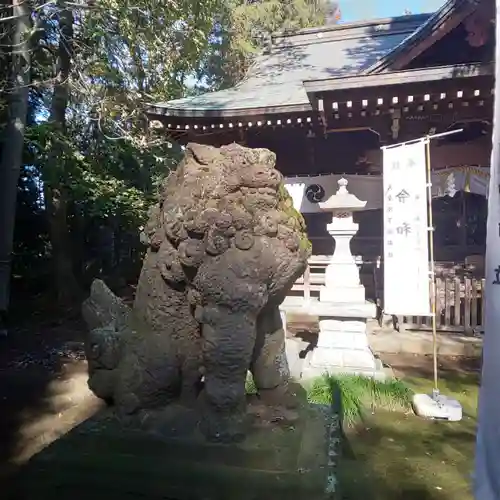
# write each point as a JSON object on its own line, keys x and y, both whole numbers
{"x": 357, "y": 10}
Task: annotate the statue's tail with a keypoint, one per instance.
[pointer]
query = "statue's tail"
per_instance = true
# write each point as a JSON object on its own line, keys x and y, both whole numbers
{"x": 103, "y": 307}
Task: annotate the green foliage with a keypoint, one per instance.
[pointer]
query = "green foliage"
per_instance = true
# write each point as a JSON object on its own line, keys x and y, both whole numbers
{"x": 92, "y": 184}
{"x": 242, "y": 29}
{"x": 286, "y": 204}
{"x": 357, "y": 393}
{"x": 30, "y": 237}
{"x": 88, "y": 140}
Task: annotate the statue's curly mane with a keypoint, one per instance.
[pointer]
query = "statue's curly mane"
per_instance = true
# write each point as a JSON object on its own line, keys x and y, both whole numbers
{"x": 218, "y": 199}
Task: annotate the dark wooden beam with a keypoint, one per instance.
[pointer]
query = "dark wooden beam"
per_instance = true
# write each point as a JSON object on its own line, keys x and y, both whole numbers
{"x": 476, "y": 153}
{"x": 416, "y": 118}
{"x": 399, "y": 78}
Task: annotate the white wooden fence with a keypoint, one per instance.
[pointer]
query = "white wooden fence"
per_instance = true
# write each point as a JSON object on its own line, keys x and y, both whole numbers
{"x": 459, "y": 298}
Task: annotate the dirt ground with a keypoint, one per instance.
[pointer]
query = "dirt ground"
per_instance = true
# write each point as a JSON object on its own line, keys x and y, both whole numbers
{"x": 43, "y": 388}
{"x": 43, "y": 385}
{"x": 413, "y": 365}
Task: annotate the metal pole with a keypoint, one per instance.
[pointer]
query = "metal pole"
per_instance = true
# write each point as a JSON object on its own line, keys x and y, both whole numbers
{"x": 429, "y": 137}
{"x": 431, "y": 262}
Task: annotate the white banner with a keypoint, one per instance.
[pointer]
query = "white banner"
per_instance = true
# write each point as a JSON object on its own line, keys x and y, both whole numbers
{"x": 406, "y": 242}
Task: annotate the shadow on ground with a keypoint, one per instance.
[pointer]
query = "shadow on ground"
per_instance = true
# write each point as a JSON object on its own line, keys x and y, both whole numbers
{"x": 43, "y": 388}
{"x": 389, "y": 456}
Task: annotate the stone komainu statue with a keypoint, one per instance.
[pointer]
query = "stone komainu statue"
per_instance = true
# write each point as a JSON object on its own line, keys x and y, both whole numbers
{"x": 225, "y": 247}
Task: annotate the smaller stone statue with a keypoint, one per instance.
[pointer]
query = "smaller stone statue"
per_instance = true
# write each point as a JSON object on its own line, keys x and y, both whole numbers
{"x": 225, "y": 247}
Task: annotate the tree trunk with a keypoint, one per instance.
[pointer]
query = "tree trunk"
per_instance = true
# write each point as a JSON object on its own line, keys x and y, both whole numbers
{"x": 56, "y": 200}
{"x": 17, "y": 98}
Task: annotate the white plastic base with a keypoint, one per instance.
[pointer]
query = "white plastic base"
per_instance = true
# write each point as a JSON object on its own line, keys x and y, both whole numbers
{"x": 437, "y": 406}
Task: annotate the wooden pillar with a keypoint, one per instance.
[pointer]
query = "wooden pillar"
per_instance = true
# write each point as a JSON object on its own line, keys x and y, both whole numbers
{"x": 463, "y": 226}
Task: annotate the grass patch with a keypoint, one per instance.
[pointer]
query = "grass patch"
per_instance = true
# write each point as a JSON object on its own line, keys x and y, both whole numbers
{"x": 396, "y": 455}
{"x": 391, "y": 454}
{"x": 355, "y": 394}
{"x": 358, "y": 394}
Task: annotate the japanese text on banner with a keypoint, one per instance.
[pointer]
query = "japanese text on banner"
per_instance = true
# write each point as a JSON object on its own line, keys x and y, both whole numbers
{"x": 406, "y": 242}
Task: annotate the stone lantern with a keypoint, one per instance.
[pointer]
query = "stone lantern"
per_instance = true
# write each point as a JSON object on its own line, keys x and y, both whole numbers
{"x": 342, "y": 308}
{"x": 342, "y": 282}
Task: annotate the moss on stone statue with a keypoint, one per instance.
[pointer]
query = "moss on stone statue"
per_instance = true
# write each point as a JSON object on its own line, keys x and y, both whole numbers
{"x": 286, "y": 205}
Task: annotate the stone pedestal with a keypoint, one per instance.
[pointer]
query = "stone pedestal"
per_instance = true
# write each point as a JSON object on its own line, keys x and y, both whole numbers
{"x": 102, "y": 458}
{"x": 342, "y": 345}
{"x": 343, "y": 342}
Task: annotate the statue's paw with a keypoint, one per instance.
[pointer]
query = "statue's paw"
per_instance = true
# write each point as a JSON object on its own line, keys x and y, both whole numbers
{"x": 103, "y": 347}
{"x": 128, "y": 404}
{"x": 223, "y": 426}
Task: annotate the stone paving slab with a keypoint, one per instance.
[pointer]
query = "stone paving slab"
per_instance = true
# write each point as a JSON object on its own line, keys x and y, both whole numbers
{"x": 387, "y": 340}
{"x": 420, "y": 342}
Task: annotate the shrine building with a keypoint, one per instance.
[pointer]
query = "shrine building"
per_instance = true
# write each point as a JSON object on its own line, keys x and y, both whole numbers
{"x": 326, "y": 99}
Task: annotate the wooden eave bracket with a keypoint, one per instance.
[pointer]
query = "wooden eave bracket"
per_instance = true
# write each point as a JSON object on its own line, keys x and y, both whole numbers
{"x": 321, "y": 112}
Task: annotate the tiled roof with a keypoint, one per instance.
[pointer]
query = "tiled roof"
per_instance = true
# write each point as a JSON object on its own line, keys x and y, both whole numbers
{"x": 275, "y": 80}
